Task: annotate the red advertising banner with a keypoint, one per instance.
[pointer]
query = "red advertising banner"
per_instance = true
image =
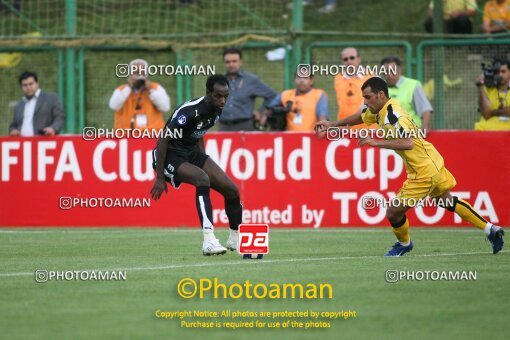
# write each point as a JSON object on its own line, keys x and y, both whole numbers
{"x": 285, "y": 180}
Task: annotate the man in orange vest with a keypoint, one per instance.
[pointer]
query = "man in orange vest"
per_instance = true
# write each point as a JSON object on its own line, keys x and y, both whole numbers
{"x": 305, "y": 105}
{"x": 140, "y": 103}
{"x": 348, "y": 87}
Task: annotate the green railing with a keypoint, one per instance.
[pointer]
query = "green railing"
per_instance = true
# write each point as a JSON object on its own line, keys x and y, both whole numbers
{"x": 72, "y": 62}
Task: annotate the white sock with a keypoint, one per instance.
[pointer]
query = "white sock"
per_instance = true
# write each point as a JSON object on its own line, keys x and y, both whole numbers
{"x": 234, "y": 233}
{"x": 405, "y": 244}
{"x": 208, "y": 234}
{"x": 487, "y": 229}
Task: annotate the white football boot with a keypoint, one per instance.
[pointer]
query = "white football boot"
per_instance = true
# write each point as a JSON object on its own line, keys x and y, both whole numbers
{"x": 233, "y": 240}
{"x": 212, "y": 246}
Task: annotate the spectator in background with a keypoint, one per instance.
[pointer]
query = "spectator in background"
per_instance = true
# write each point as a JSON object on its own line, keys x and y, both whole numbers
{"x": 306, "y": 105}
{"x": 38, "y": 113}
{"x": 408, "y": 92}
{"x": 496, "y": 16}
{"x": 495, "y": 101}
{"x": 348, "y": 87}
{"x": 238, "y": 114}
{"x": 140, "y": 103}
{"x": 457, "y": 16}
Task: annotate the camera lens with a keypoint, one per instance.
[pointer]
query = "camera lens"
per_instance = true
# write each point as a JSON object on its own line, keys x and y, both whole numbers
{"x": 139, "y": 83}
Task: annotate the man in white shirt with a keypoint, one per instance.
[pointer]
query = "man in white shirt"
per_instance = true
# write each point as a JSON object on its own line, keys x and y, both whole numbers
{"x": 38, "y": 113}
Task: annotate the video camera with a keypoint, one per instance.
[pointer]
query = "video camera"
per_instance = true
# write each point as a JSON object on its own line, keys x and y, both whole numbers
{"x": 277, "y": 121}
{"x": 491, "y": 77}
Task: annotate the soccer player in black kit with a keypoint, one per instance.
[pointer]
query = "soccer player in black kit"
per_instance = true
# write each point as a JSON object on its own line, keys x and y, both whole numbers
{"x": 183, "y": 160}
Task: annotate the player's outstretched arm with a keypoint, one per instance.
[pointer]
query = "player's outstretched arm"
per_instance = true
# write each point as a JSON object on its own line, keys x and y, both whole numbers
{"x": 351, "y": 120}
{"x": 160, "y": 183}
{"x": 322, "y": 126}
{"x": 393, "y": 144}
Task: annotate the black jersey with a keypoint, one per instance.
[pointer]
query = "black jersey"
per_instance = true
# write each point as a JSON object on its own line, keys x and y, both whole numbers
{"x": 194, "y": 118}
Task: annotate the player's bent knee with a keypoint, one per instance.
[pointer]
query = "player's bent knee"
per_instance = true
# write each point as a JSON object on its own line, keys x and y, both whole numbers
{"x": 232, "y": 192}
{"x": 393, "y": 214}
{"x": 202, "y": 180}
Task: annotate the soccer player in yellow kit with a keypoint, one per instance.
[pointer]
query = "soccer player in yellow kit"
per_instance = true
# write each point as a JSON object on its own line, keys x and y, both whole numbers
{"x": 426, "y": 173}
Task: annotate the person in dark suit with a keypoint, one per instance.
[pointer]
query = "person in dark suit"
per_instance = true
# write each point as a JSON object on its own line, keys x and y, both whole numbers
{"x": 38, "y": 113}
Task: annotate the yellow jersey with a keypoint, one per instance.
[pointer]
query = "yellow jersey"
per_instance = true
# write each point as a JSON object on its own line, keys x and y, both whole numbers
{"x": 423, "y": 160}
{"x": 450, "y": 6}
{"x": 497, "y": 99}
{"x": 494, "y": 12}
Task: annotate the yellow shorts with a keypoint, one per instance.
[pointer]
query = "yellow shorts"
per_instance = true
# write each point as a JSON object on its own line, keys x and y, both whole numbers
{"x": 432, "y": 186}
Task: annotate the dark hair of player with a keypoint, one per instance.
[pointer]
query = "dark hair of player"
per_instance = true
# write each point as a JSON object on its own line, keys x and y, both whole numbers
{"x": 391, "y": 59}
{"x": 216, "y": 79}
{"x": 376, "y": 84}
{"x": 26, "y": 75}
{"x": 233, "y": 50}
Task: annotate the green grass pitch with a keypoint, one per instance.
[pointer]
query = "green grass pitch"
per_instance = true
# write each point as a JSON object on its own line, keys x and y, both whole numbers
{"x": 156, "y": 259}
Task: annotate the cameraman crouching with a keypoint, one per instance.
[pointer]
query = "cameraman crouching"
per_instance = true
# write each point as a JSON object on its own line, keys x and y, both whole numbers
{"x": 301, "y": 107}
{"x": 494, "y": 97}
{"x": 140, "y": 103}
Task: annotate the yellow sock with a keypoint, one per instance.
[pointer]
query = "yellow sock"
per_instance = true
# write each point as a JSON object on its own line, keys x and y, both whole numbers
{"x": 466, "y": 211}
{"x": 401, "y": 230}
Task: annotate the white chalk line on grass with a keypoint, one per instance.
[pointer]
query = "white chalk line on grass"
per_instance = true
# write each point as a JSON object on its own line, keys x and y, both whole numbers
{"x": 127, "y": 230}
{"x": 250, "y": 262}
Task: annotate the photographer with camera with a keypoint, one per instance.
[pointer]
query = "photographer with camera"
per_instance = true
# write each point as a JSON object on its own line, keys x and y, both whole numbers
{"x": 494, "y": 96}
{"x": 140, "y": 103}
{"x": 297, "y": 109}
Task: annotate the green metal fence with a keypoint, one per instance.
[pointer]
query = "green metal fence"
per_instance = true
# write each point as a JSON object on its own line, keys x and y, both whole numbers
{"x": 80, "y": 42}
{"x": 87, "y": 39}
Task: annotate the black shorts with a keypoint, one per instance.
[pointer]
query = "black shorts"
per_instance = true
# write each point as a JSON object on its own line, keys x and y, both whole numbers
{"x": 174, "y": 159}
